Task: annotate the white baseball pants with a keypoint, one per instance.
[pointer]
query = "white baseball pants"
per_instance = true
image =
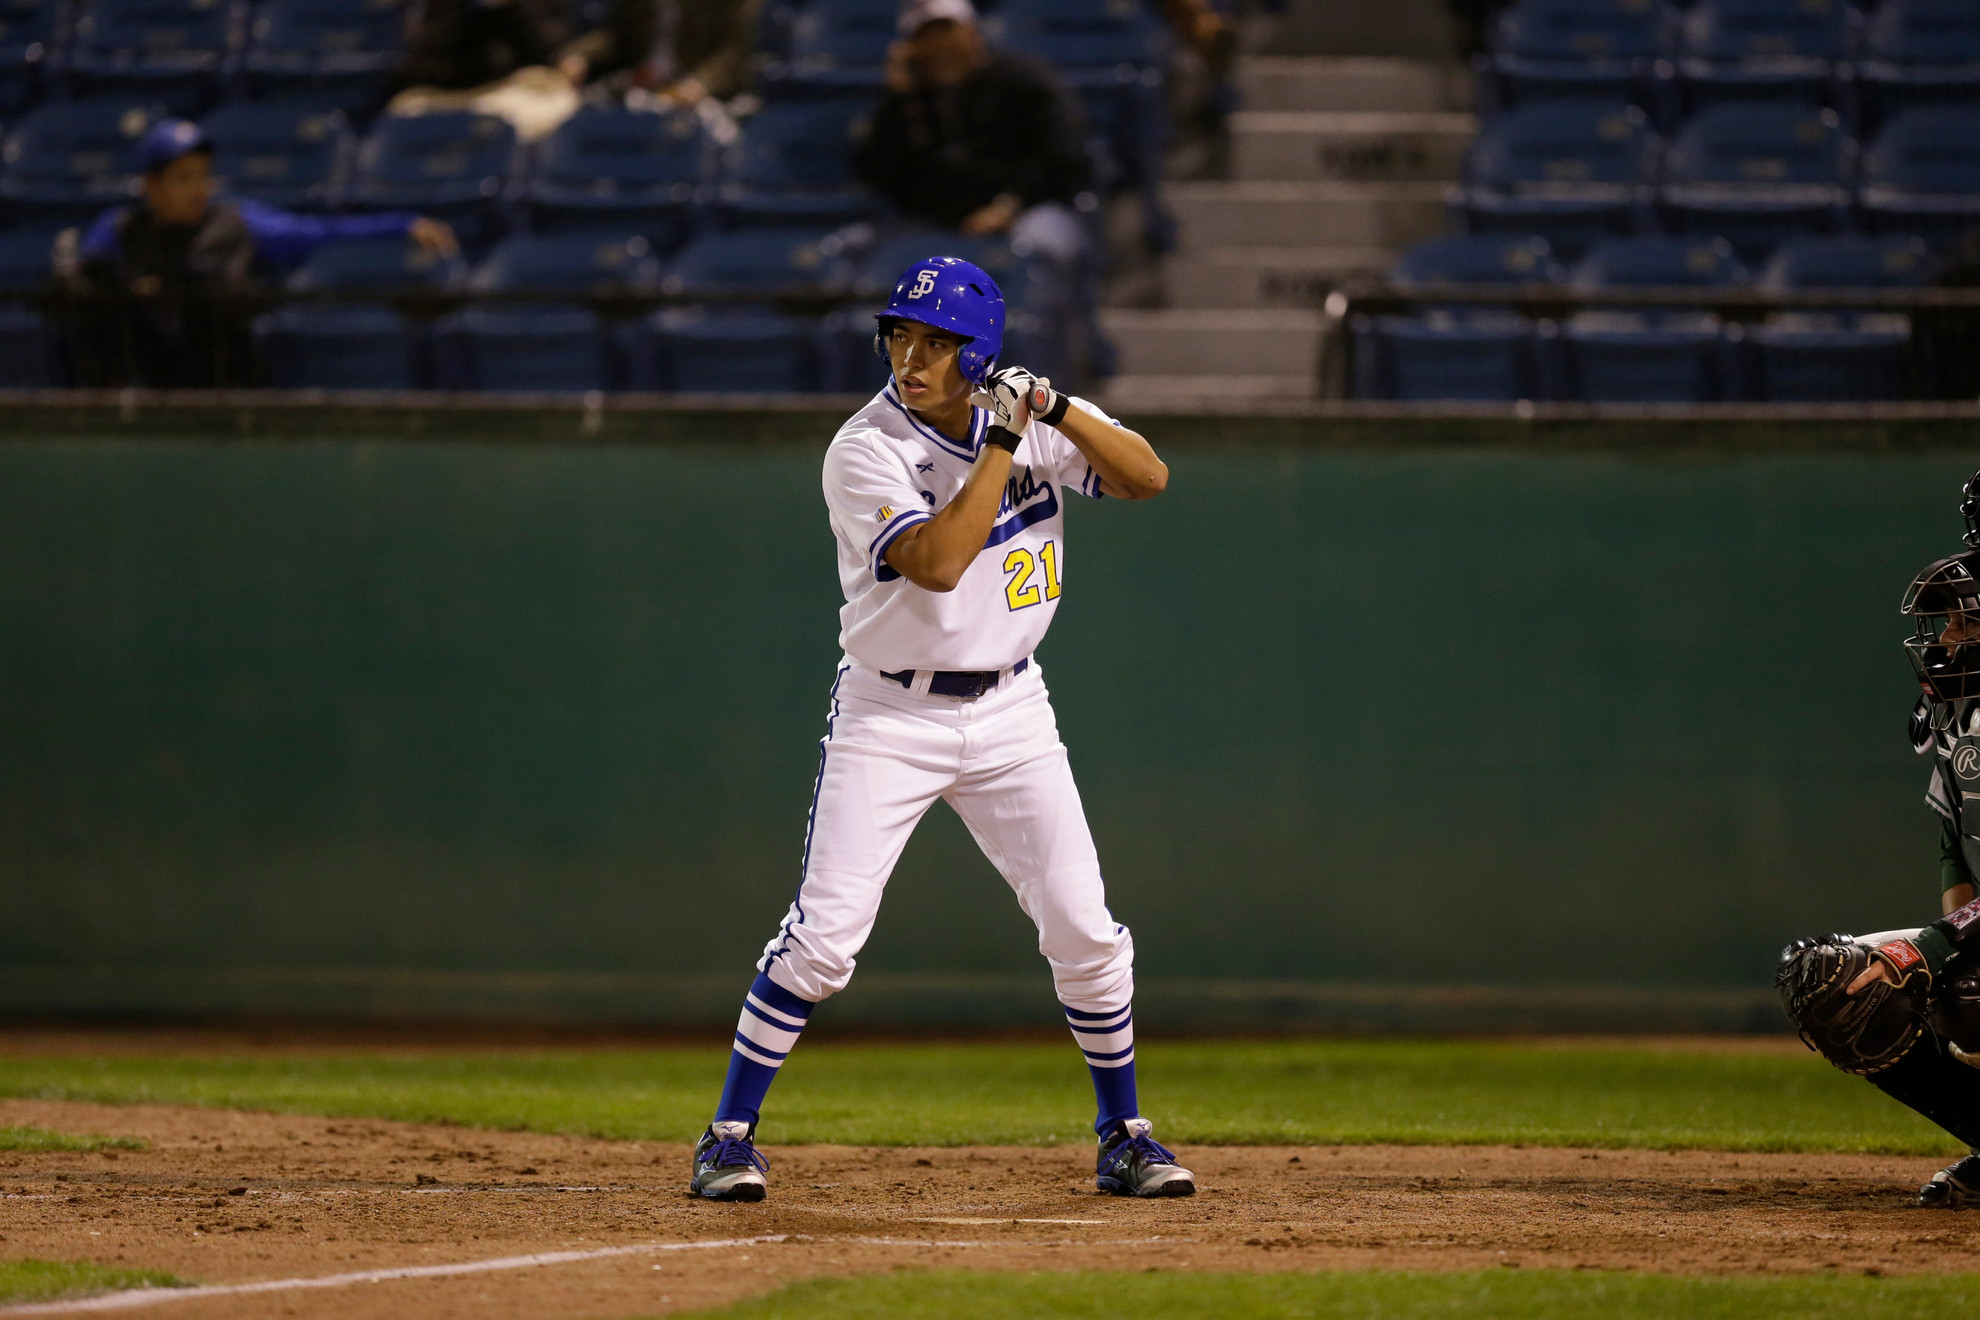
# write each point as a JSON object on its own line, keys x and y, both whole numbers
{"x": 887, "y": 755}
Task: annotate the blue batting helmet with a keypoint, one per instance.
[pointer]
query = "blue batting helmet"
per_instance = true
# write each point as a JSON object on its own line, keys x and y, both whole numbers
{"x": 950, "y": 294}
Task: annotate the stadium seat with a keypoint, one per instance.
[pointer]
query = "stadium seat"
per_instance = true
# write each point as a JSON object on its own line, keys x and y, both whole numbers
{"x": 1775, "y": 50}
{"x": 792, "y": 165}
{"x": 736, "y": 346}
{"x": 453, "y": 165}
{"x": 544, "y": 346}
{"x": 620, "y": 169}
{"x": 28, "y": 353}
{"x": 1456, "y": 352}
{"x": 1579, "y": 49}
{"x": 1480, "y": 259}
{"x": 1628, "y": 355}
{"x": 286, "y": 155}
{"x": 27, "y": 41}
{"x": 171, "y": 51}
{"x": 27, "y": 259}
{"x": 1758, "y": 174}
{"x": 726, "y": 350}
{"x": 354, "y": 345}
{"x": 834, "y": 49}
{"x": 1896, "y": 261}
{"x": 1081, "y": 34}
{"x": 1839, "y": 356}
{"x": 1922, "y": 175}
{"x": 337, "y": 52}
{"x": 762, "y": 264}
{"x": 1576, "y": 172}
{"x": 1918, "y": 53}
{"x": 68, "y": 160}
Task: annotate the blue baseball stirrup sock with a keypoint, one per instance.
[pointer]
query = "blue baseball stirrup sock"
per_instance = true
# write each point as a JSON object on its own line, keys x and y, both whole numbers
{"x": 1107, "y": 1039}
{"x": 771, "y": 1019}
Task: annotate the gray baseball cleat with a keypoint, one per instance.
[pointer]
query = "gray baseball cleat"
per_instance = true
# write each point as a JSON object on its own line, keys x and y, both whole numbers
{"x": 1133, "y": 1163}
{"x": 727, "y": 1167}
{"x": 1954, "y": 1186}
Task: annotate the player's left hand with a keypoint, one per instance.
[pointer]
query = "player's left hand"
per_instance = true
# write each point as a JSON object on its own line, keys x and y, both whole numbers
{"x": 1878, "y": 970}
{"x": 1006, "y": 396}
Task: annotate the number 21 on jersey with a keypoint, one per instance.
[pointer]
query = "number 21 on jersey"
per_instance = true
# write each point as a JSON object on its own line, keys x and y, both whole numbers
{"x": 1024, "y": 589}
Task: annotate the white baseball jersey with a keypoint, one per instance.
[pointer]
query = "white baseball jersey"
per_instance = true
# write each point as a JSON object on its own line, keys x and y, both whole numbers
{"x": 888, "y": 471}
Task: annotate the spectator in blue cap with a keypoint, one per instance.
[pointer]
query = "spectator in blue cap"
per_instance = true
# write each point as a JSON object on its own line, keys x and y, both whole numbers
{"x": 167, "y": 276}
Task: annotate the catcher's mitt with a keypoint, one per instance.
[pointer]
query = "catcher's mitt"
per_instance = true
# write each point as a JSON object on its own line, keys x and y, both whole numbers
{"x": 1863, "y": 1033}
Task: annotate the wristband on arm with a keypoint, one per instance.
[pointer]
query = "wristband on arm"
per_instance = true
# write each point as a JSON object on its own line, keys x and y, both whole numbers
{"x": 1002, "y": 437}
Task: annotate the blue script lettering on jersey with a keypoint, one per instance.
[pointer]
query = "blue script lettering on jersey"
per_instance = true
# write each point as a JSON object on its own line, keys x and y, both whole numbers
{"x": 1023, "y": 495}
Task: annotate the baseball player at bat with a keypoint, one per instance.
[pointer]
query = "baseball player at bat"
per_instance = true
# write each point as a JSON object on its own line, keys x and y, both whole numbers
{"x": 945, "y": 494}
{"x": 1902, "y": 1008}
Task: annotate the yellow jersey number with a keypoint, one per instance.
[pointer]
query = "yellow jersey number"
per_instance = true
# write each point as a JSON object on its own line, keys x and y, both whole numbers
{"x": 1021, "y": 591}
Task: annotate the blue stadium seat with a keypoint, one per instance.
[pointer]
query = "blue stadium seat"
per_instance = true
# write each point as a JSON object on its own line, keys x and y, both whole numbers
{"x": 1775, "y": 50}
{"x": 28, "y": 32}
{"x": 454, "y": 165}
{"x": 737, "y": 346}
{"x": 793, "y": 166}
{"x": 1575, "y": 172}
{"x": 762, "y": 264}
{"x": 1081, "y": 34}
{"x": 173, "y": 51}
{"x": 29, "y": 350}
{"x": 1922, "y": 175}
{"x": 726, "y": 350}
{"x": 1456, "y": 352}
{"x": 1838, "y": 356}
{"x": 1918, "y": 53}
{"x": 1758, "y": 174}
{"x": 1580, "y": 49}
{"x": 834, "y": 49}
{"x": 1480, "y": 259}
{"x": 622, "y": 169}
{"x": 547, "y": 346}
{"x": 354, "y": 345}
{"x": 68, "y": 160}
{"x": 1855, "y": 261}
{"x": 27, "y": 259}
{"x": 1663, "y": 356}
{"x": 286, "y": 155}
{"x": 341, "y": 52}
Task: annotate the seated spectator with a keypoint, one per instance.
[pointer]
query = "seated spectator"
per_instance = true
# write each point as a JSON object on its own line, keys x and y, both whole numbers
{"x": 165, "y": 282}
{"x": 680, "y": 52}
{"x": 970, "y": 138}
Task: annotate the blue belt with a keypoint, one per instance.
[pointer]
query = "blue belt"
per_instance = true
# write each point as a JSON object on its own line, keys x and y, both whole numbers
{"x": 958, "y": 682}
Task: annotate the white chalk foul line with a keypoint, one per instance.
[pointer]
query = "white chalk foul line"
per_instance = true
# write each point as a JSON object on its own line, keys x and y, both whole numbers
{"x": 138, "y": 1297}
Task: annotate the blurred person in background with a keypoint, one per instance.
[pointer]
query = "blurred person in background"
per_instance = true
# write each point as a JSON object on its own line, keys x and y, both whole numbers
{"x": 680, "y": 52}
{"x": 455, "y": 45}
{"x": 164, "y": 283}
{"x": 973, "y": 139}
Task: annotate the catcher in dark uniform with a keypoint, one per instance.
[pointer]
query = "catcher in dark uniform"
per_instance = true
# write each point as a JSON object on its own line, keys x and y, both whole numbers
{"x": 1902, "y": 1009}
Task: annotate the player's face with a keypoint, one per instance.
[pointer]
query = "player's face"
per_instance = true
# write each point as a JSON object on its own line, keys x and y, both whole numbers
{"x": 1960, "y": 629}
{"x": 926, "y": 373}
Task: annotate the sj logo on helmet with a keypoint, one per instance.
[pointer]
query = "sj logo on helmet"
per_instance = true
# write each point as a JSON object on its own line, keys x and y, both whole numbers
{"x": 924, "y": 283}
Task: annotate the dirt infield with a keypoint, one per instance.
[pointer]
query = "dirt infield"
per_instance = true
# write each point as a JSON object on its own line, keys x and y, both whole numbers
{"x": 224, "y": 1197}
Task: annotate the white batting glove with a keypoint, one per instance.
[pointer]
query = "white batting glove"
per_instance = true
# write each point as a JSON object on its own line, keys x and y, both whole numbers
{"x": 1006, "y": 396}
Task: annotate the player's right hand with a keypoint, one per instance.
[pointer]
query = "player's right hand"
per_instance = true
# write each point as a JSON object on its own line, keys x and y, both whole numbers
{"x": 1006, "y": 396}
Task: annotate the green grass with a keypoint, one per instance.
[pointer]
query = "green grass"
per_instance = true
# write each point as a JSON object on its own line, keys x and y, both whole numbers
{"x": 1224, "y": 1093}
{"x": 47, "y": 1280}
{"x": 34, "y": 1138}
{"x": 1370, "y": 1295}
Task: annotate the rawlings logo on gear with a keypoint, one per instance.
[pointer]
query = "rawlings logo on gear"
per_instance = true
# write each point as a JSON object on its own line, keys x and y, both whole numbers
{"x": 1902, "y": 955}
{"x": 1966, "y": 762}
{"x": 924, "y": 284}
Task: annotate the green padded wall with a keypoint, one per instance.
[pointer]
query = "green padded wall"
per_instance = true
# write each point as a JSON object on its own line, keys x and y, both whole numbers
{"x": 1415, "y": 737}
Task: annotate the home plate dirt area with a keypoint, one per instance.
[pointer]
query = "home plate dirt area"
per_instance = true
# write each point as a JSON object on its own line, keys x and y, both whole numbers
{"x": 324, "y": 1207}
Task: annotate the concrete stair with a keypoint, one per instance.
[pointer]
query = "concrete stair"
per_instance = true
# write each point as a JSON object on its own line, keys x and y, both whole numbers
{"x": 1338, "y": 164}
